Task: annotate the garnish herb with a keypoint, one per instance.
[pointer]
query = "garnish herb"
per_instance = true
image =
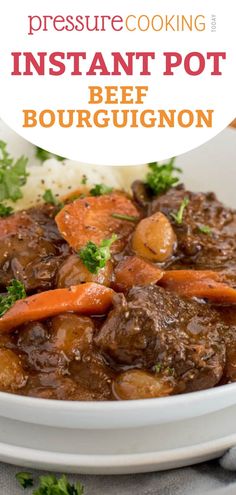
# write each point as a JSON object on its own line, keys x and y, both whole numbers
{"x": 15, "y": 291}
{"x": 100, "y": 189}
{"x": 13, "y": 174}
{"x": 44, "y": 155}
{"x": 170, "y": 371}
{"x": 75, "y": 196}
{"x": 95, "y": 257}
{"x": 157, "y": 368}
{"x": 84, "y": 180}
{"x": 128, "y": 218}
{"x": 50, "y": 485}
{"x": 205, "y": 229}
{"x": 24, "y": 479}
{"x": 5, "y": 211}
{"x": 161, "y": 177}
{"x": 49, "y": 198}
{"x": 178, "y": 217}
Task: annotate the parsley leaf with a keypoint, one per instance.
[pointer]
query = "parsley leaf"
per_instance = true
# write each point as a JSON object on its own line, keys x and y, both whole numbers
{"x": 205, "y": 229}
{"x": 25, "y": 479}
{"x": 44, "y": 155}
{"x": 128, "y": 218}
{"x": 157, "y": 368}
{"x": 13, "y": 175}
{"x": 84, "y": 179}
{"x": 95, "y": 257}
{"x": 68, "y": 489}
{"x": 161, "y": 177}
{"x": 178, "y": 217}
{"x": 5, "y": 211}
{"x": 170, "y": 371}
{"x": 49, "y": 197}
{"x": 50, "y": 485}
{"x": 15, "y": 291}
{"x": 100, "y": 189}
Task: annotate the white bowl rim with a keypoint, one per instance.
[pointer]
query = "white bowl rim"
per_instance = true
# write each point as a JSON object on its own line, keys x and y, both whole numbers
{"x": 109, "y": 406}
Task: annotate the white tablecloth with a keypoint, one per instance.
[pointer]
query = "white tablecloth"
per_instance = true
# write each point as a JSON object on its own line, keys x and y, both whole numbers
{"x": 204, "y": 479}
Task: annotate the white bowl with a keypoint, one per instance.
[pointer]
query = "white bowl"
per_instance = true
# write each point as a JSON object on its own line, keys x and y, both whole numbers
{"x": 113, "y": 415}
{"x": 120, "y": 451}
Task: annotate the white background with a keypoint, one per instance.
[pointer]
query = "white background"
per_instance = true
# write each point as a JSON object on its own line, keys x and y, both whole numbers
{"x": 113, "y": 146}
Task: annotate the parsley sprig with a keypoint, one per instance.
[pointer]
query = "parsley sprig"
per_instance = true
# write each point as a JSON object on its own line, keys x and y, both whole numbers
{"x": 158, "y": 368}
{"x": 100, "y": 189}
{"x": 13, "y": 174}
{"x": 178, "y": 217}
{"x": 205, "y": 229}
{"x": 24, "y": 479}
{"x": 50, "y": 199}
{"x": 15, "y": 291}
{"x": 5, "y": 211}
{"x": 84, "y": 180}
{"x": 51, "y": 485}
{"x": 95, "y": 257}
{"x": 128, "y": 218}
{"x": 161, "y": 177}
{"x": 44, "y": 155}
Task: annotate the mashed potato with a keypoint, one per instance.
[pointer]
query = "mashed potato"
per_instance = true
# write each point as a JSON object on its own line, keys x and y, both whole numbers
{"x": 62, "y": 177}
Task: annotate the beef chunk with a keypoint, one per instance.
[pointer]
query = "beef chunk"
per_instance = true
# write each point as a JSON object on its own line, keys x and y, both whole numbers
{"x": 60, "y": 360}
{"x": 31, "y": 248}
{"x": 214, "y": 249}
{"x": 228, "y": 316}
{"x": 152, "y": 326}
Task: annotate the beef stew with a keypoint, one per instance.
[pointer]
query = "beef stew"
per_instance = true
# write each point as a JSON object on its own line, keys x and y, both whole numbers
{"x": 126, "y": 296}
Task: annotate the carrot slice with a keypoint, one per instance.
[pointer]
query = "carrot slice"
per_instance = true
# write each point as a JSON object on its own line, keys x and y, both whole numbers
{"x": 87, "y": 299}
{"x": 135, "y": 271}
{"x": 90, "y": 219}
{"x": 195, "y": 283}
